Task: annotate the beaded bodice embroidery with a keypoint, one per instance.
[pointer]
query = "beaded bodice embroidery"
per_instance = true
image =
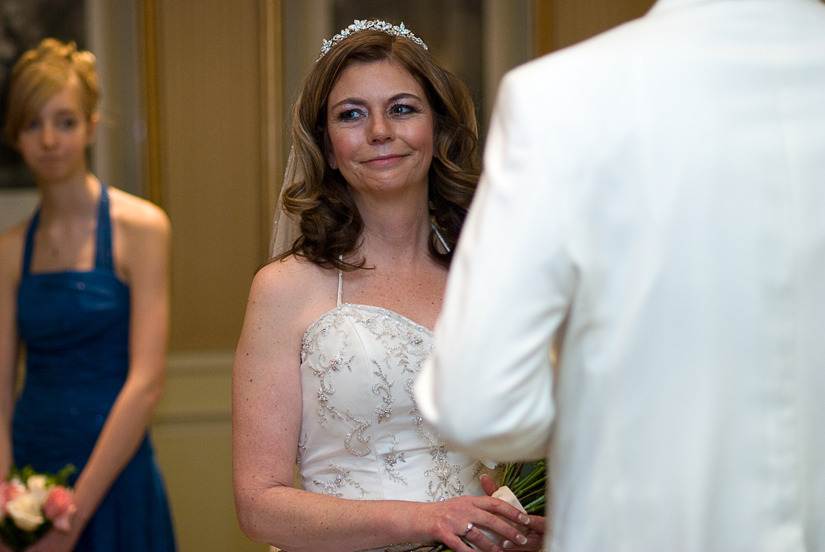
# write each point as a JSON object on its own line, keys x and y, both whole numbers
{"x": 362, "y": 436}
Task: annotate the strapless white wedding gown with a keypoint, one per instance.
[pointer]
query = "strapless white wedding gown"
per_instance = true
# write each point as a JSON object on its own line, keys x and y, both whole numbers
{"x": 362, "y": 436}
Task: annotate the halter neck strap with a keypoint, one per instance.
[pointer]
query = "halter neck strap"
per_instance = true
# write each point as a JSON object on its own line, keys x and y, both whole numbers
{"x": 103, "y": 235}
{"x": 27, "y": 253}
{"x": 103, "y": 255}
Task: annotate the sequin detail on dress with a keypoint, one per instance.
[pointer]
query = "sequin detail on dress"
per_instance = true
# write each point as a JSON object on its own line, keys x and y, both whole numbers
{"x": 361, "y": 429}
{"x": 384, "y": 410}
{"x": 392, "y": 458}
{"x": 334, "y": 487}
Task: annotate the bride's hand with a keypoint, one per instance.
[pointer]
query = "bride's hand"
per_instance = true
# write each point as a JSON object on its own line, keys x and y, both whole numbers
{"x": 534, "y": 530}
{"x": 451, "y": 520}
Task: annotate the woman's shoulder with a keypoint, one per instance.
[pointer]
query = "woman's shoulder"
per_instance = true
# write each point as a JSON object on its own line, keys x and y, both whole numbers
{"x": 141, "y": 236}
{"x": 12, "y": 243}
{"x": 137, "y": 215}
{"x": 295, "y": 290}
{"x": 293, "y": 278}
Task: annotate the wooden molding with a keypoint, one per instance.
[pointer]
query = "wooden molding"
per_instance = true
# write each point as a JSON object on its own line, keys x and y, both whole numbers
{"x": 544, "y": 28}
{"x": 197, "y": 389}
{"x": 272, "y": 117}
{"x": 151, "y": 91}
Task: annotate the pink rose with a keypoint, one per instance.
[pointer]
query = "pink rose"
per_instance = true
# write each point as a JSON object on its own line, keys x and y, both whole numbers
{"x": 9, "y": 490}
{"x": 59, "y": 508}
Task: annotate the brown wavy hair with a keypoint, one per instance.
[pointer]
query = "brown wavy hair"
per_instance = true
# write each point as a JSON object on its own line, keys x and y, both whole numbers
{"x": 41, "y": 73}
{"x": 329, "y": 220}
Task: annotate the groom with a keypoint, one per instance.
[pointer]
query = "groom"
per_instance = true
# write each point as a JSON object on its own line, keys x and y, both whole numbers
{"x": 654, "y": 202}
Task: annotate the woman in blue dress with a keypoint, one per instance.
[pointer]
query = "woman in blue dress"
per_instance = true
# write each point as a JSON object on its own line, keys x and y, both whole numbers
{"x": 84, "y": 286}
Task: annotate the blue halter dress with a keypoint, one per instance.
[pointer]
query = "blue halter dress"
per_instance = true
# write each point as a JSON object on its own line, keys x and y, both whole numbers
{"x": 75, "y": 326}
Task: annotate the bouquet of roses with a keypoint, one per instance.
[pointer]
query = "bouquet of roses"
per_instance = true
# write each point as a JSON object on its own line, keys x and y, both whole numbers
{"x": 32, "y": 503}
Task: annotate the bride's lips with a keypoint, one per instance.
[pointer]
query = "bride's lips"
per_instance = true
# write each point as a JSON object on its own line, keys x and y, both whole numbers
{"x": 385, "y": 159}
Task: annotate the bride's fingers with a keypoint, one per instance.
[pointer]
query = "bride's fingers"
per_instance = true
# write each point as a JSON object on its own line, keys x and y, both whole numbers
{"x": 488, "y": 485}
{"x": 534, "y": 542}
{"x": 482, "y": 541}
{"x": 537, "y": 524}
{"x": 535, "y": 536}
{"x": 492, "y": 527}
{"x": 499, "y": 509}
{"x": 457, "y": 544}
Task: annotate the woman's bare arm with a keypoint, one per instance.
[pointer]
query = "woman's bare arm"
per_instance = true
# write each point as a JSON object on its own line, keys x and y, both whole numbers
{"x": 266, "y": 411}
{"x": 11, "y": 252}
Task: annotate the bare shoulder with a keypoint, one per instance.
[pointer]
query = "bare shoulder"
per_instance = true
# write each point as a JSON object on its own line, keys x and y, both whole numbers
{"x": 12, "y": 243}
{"x": 141, "y": 236}
{"x": 134, "y": 215}
{"x": 294, "y": 290}
{"x": 293, "y": 281}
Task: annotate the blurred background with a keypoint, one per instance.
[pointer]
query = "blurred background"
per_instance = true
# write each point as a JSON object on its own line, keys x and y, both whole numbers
{"x": 197, "y": 99}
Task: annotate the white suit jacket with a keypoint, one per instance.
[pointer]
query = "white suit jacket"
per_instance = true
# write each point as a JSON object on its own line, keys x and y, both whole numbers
{"x": 654, "y": 198}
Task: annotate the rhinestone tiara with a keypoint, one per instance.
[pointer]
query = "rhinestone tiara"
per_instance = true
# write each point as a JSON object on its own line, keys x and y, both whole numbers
{"x": 376, "y": 25}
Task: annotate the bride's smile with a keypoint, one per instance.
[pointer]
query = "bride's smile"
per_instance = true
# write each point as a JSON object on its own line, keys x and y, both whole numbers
{"x": 380, "y": 128}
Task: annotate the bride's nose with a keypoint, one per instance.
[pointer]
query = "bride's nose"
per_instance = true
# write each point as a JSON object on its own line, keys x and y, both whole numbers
{"x": 380, "y": 129}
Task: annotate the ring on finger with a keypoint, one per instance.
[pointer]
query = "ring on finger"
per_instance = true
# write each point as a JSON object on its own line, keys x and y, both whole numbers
{"x": 468, "y": 529}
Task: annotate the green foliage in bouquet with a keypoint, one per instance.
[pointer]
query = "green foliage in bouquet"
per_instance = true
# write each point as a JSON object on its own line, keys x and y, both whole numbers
{"x": 16, "y": 538}
{"x": 60, "y": 478}
{"x": 526, "y": 480}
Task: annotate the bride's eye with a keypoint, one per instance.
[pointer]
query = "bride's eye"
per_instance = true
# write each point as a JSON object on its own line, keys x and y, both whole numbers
{"x": 348, "y": 115}
{"x": 403, "y": 109}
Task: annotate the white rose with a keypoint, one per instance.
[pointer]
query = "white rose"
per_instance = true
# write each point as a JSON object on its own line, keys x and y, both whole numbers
{"x": 37, "y": 488}
{"x": 24, "y": 510}
{"x": 9, "y": 490}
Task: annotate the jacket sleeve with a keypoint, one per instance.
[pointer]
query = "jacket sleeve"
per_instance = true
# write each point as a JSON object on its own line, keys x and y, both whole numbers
{"x": 488, "y": 387}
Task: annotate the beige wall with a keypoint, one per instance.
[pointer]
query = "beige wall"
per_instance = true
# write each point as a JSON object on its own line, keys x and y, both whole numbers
{"x": 208, "y": 55}
{"x": 211, "y": 173}
{"x": 561, "y": 23}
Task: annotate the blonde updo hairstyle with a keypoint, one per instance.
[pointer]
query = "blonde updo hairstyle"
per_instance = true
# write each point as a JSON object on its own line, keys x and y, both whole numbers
{"x": 43, "y": 72}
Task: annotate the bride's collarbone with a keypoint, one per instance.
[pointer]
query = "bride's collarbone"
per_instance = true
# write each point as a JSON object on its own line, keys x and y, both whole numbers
{"x": 414, "y": 299}
{"x": 387, "y": 282}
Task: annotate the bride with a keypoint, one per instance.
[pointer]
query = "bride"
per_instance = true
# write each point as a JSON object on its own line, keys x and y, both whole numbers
{"x": 339, "y": 324}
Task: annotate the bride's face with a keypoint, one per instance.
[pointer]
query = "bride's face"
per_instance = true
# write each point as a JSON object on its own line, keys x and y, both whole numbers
{"x": 381, "y": 127}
